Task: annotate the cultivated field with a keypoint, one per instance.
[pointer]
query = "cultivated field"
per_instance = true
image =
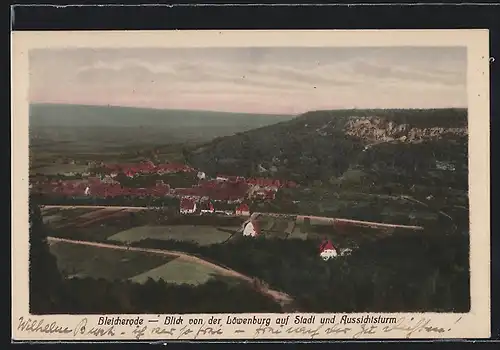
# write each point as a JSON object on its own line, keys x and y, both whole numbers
{"x": 203, "y": 235}
{"x": 61, "y": 169}
{"x": 178, "y": 271}
{"x": 76, "y": 260}
{"x": 344, "y": 234}
{"x": 98, "y": 227}
{"x": 52, "y": 219}
{"x": 298, "y": 233}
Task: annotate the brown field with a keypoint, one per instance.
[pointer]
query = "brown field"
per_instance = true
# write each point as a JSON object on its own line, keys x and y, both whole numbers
{"x": 104, "y": 216}
{"x": 93, "y": 231}
{"x": 96, "y": 213}
{"x": 49, "y": 211}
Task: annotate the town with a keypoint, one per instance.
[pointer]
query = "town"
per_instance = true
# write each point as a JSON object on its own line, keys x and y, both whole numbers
{"x": 178, "y": 181}
{"x": 226, "y": 195}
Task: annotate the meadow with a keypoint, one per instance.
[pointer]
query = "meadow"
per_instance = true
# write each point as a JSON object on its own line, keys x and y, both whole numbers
{"x": 59, "y": 169}
{"x": 203, "y": 235}
{"x": 178, "y": 271}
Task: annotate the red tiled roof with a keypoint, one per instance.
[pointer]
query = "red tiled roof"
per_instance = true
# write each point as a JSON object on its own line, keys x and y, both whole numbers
{"x": 187, "y": 203}
{"x": 325, "y": 245}
{"x": 243, "y": 207}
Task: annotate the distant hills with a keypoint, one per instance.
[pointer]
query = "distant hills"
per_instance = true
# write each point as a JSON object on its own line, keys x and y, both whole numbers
{"x": 61, "y": 115}
{"x": 319, "y": 145}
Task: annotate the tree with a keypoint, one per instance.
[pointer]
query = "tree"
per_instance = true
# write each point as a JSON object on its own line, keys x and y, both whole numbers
{"x": 45, "y": 282}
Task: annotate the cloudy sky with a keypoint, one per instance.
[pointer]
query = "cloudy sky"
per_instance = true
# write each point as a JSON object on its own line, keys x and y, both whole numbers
{"x": 260, "y": 80}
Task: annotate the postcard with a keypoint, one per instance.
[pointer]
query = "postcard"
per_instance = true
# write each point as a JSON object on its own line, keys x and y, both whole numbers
{"x": 195, "y": 185}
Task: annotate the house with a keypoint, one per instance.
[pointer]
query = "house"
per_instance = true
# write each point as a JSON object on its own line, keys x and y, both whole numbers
{"x": 222, "y": 178}
{"x": 87, "y": 191}
{"x": 201, "y": 175}
{"x": 243, "y": 210}
{"x": 251, "y": 229}
{"x": 188, "y": 206}
{"x": 207, "y": 208}
{"x": 327, "y": 250}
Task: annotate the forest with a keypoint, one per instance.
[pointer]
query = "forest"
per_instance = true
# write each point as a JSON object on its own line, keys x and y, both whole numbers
{"x": 410, "y": 272}
{"x": 303, "y": 150}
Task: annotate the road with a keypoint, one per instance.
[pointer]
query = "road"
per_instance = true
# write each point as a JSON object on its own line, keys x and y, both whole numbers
{"x": 282, "y": 298}
{"x": 254, "y": 215}
{"x": 93, "y": 207}
{"x": 339, "y": 220}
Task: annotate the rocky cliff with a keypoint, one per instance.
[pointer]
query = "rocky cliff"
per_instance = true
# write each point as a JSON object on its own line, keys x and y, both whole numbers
{"x": 376, "y": 129}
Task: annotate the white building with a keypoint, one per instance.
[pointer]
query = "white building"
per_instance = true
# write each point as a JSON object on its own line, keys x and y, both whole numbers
{"x": 327, "y": 251}
{"x": 201, "y": 175}
{"x": 207, "y": 208}
{"x": 87, "y": 191}
{"x": 251, "y": 229}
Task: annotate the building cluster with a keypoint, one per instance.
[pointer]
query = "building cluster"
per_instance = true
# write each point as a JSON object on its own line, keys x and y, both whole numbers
{"x": 148, "y": 167}
{"x": 191, "y": 206}
{"x": 95, "y": 187}
{"x": 222, "y": 194}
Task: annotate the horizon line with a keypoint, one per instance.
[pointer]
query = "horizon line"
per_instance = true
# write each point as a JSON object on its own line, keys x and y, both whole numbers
{"x": 241, "y": 112}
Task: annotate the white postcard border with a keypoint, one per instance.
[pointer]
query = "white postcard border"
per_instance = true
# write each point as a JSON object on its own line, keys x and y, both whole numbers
{"x": 475, "y": 324}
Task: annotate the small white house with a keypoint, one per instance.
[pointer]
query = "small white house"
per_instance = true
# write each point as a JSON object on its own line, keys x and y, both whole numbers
{"x": 201, "y": 175}
{"x": 87, "y": 191}
{"x": 327, "y": 251}
{"x": 251, "y": 229}
{"x": 328, "y": 254}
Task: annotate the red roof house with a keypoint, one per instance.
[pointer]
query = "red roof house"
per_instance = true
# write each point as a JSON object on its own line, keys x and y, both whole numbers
{"x": 243, "y": 209}
{"x": 187, "y": 206}
{"x": 327, "y": 250}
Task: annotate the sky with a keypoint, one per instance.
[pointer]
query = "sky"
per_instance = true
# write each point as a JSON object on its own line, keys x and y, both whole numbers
{"x": 255, "y": 80}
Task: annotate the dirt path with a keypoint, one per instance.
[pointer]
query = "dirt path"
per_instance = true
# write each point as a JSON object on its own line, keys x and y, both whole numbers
{"x": 94, "y": 207}
{"x": 411, "y": 199}
{"x": 348, "y": 221}
{"x": 282, "y": 298}
{"x": 255, "y": 215}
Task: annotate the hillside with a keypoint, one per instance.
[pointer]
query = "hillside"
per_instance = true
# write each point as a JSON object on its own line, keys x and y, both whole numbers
{"x": 61, "y": 115}
{"x": 332, "y": 145}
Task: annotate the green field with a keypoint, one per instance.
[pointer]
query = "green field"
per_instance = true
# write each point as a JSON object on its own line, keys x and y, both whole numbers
{"x": 178, "y": 271}
{"x": 76, "y": 260}
{"x": 203, "y": 235}
{"x": 72, "y": 213}
{"x": 298, "y": 233}
{"x": 61, "y": 169}
{"x": 52, "y": 219}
